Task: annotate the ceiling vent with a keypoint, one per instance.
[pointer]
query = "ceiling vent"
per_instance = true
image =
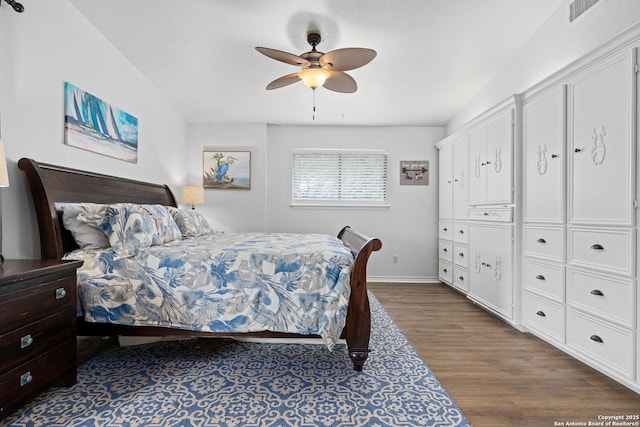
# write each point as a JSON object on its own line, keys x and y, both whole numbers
{"x": 578, "y": 7}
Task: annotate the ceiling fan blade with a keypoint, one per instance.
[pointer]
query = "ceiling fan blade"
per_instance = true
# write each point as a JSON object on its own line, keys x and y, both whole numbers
{"x": 347, "y": 59}
{"x": 285, "y": 57}
{"x": 283, "y": 81}
{"x": 340, "y": 82}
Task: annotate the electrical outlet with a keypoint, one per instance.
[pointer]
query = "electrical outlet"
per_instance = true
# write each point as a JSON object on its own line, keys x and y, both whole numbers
{"x": 395, "y": 259}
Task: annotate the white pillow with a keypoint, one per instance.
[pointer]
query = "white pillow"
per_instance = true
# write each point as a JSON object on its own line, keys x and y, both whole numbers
{"x": 86, "y": 235}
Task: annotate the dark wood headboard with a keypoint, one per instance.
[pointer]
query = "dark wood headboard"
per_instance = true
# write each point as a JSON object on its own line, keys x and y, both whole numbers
{"x": 51, "y": 184}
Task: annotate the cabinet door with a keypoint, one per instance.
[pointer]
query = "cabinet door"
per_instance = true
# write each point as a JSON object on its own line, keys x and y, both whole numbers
{"x": 499, "y": 164}
{"x": 477, "y": 166}
{"x": 461, "y": 178}
{"x": 491, "y": 266}
{"x": 543, "y": 134}
{"x": 601, "y": 142}
{"x": 445, "y": 165}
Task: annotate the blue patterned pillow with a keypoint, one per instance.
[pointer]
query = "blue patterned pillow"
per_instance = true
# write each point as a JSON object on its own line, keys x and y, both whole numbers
{"x": 128, "y": 226}
{"x": 190, "y": 223}
{"x": 168, "y": 230}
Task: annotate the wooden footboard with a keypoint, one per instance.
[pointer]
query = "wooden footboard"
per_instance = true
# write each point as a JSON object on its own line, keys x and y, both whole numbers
{"x": 51, "y": 184}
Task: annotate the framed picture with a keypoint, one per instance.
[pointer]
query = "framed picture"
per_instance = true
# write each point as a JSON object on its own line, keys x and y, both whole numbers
{"x": 94, "y": 125}
{"x": 414, "y": 172}
{"x": 226, "y": 169}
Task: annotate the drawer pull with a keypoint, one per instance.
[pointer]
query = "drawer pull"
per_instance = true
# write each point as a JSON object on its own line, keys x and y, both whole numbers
{"x": 61, "y": 293}
{"x": 540, "y": 277}
{"x": 25, "y": 379}
{"x": 488, "y": 265}
{"x": 461, "y": 254}
{"x": 541, "y": 314}
{"x": 26, "y": 341}
{"x": 596, "y": 338}
{"x": 597, "y": 292}
{"x": 461, "y": 231}
{"x": 597, "y": 247}
{"x": 461, "y": 278}
{"x": 577, "y": 150}
{"x": 541, "y": 240}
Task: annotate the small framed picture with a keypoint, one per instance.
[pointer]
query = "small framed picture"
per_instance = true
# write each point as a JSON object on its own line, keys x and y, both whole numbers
{"x": 414, "y": 172}
{"x": 226, "y": 169}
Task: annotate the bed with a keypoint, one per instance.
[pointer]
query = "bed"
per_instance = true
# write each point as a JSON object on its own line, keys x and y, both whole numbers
{"x": 53, "y": 186}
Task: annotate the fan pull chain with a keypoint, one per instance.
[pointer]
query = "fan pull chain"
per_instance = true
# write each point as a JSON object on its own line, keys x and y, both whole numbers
{"x": 313, "y": 116}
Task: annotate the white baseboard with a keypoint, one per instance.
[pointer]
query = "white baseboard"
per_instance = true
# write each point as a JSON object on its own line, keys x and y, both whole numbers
{"x": 403, "y": 279}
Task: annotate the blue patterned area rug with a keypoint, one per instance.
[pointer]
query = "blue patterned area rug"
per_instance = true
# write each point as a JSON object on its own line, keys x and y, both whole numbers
{"x": 212, "y": 382}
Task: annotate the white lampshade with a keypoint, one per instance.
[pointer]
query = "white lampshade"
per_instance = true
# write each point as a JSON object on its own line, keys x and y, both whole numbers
{"x": 314, "y": 77}
{"x": 192, "y": 195}
{"x": 4, "y": 176}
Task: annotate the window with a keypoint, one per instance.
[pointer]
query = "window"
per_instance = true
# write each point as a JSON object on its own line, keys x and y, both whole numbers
{"x": 339, "y": 177}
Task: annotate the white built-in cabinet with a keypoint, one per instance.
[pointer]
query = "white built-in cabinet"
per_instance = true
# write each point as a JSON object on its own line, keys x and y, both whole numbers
{"x": 551, "y": 211}
{"x": 476, "y": 246}
{"x": 579, "y": 251}
{"x": 453, "y": 235}
{"x": 491, "y": 162}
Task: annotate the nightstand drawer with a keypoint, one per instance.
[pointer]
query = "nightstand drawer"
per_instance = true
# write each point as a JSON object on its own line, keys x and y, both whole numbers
{"x": 26, "y": 305}
{"x": 34, "y": 339}
{"x": 26, "y": 381}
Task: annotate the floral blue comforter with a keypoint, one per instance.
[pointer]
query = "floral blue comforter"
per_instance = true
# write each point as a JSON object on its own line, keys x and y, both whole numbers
{"x": 239, "y": 282}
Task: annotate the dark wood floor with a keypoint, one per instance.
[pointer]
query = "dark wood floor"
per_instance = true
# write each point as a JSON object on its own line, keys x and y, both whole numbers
{"x": 497, "y": 375}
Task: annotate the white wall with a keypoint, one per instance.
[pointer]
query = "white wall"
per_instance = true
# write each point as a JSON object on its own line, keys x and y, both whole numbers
{"x": 555, "y": 45}
{"x": 231, "y": 210}
{"x": 40, "y": 49}
{"x": 408, "y": 228}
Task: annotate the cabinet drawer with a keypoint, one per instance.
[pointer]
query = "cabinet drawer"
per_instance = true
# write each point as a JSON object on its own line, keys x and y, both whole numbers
{"x": 461, "y": 278}
{"x": 602, "y": 343}
{"x": 606, "y": 249}
{"x": 20, "y": 307}
{"x": 544, "y": 279}
{"x": 461, "y": 254}
{"x": 543, "y": 316}
{"x": 446, "y": 230}
{"x": 461, "y": 232}
{"x": 445, "y": 250}
{"x": 26, "y": 381}
{"x": 544, "y": 242}
{"x": 606, "y": 296}
{"x": 445, "y": 272}
{"x": 35, "y": 338}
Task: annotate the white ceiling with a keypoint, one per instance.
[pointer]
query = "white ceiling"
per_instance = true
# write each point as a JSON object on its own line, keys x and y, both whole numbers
{"x": 433, "y": 55}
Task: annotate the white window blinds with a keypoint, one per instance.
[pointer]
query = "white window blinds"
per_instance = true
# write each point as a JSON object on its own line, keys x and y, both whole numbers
{"x": 342, "y": 177}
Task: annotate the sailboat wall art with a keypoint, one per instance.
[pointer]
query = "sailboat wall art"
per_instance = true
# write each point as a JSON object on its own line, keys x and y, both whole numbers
{"x": 94, "y": 125}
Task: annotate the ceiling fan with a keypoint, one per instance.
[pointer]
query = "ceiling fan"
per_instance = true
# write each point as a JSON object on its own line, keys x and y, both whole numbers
{"x": 321, "y": 69}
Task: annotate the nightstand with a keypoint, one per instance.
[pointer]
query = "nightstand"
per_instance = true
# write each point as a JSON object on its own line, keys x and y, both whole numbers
{"x": 37, "y": 329}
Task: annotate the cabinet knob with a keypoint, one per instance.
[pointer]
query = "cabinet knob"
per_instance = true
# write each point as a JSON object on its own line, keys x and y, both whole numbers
{"x": 444, "y": 250}
{"x": 461, "y": 231}
{"x": 597, "y": 247}
{"x": 541, "y": 314}
{"x": 444, "y": 269}
{"x": 61, "y": 293}
{"x": 541, "y": 240}
{"x": 461, "y": 254}
{"x": 596, "y": 338}
{"x": 26, "y": 341}
{"x": 445, "y": 229}
{"x": 540, "y": 277}
{"x": 25, "y": 379}
{"x": 597, "y": 292}
{"x": 577, "y": 150}
{"x": 461, "y": 278}
{"x": 488, "y": 162}
{"x": 555, "y": 156}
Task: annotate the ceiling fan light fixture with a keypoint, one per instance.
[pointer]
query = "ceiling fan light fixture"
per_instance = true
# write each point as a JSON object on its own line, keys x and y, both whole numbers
{"x": 314, "y": 77}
